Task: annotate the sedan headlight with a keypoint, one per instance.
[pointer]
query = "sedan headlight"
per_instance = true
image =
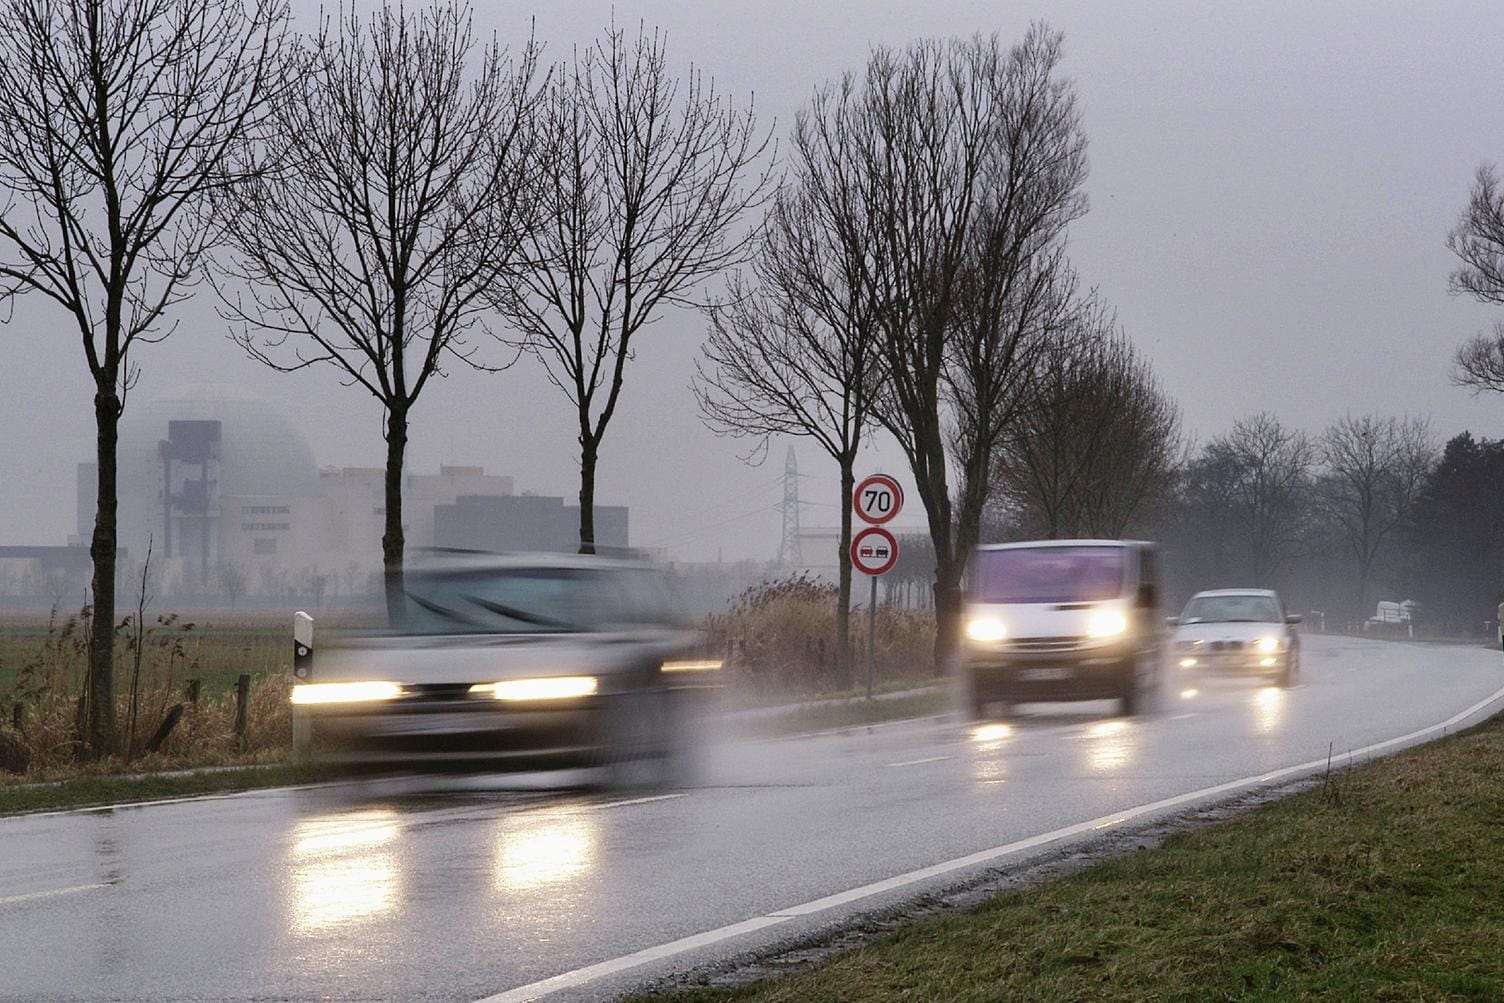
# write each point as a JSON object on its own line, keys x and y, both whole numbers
{"x": 1106, "y": 623}
{"x": 693, "y": 665}
{"x": 362, "y": 692}
{"x": 542, "y": 688}
{"x": 985, "y": 629}
{"x": 1268, "y": 645}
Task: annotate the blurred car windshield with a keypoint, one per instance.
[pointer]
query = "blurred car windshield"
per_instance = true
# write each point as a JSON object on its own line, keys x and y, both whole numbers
{"x": 1231, "y": 609}
{"x": 1049, "y": 574}
{"x": 533, "y": 600}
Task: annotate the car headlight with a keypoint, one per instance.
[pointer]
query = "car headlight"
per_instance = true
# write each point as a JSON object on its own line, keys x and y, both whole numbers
{"x": 1268, "y": 645}
{"x": 1106, "y": 623}
{"x": 693, "y": 665}
{"x": 985, "y": 629}
{"x": 542, "y": 688}
{"x": 362, "y": 692}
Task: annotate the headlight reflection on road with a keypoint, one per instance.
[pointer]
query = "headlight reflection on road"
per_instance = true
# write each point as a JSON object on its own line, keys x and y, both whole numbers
{"x": 1269, "y": 707}
{"x": 343, "y": 868}
{"x": 990, "y": 736}
{"x": 989, "y": 739}
{"x": 1110, "y": 745}
{"x": 544, "y": 847}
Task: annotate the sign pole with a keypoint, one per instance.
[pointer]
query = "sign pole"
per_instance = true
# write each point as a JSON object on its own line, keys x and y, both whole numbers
{"x": 874, "y": 550}
{"x": 871, "y": 632}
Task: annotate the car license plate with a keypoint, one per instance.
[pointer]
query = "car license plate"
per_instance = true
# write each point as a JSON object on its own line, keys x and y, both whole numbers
{"x": 1043, "y": 675}
{"x": 438, "y": 724}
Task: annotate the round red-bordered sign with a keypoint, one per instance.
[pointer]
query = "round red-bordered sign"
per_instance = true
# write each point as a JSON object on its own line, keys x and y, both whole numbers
{"x": 874, "y": 551}
{"x": 877, "y": 499}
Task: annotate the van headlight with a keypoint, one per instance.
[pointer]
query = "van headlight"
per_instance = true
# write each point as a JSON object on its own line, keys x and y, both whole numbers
{"x": 1268, "y": 645}
{"x": 985, "y": 629}
{"x": 1105, "y": 623}
{"x": 541, "y": 688}
{"x": 361, "y": 692}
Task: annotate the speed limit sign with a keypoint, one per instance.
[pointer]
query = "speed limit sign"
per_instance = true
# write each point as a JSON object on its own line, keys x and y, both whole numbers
{"x": 877, "y": 499}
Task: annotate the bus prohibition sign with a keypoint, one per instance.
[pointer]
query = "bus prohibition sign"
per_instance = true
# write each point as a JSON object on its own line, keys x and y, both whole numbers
{"x": 874, "y": 551}
{"x": 877, "y": 499}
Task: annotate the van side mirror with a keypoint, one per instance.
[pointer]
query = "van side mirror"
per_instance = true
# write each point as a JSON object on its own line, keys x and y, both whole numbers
{"x": 1294, "y": 618}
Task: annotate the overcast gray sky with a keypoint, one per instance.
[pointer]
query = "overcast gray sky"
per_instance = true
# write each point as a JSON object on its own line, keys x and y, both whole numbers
{"x": 1271, "y": 185}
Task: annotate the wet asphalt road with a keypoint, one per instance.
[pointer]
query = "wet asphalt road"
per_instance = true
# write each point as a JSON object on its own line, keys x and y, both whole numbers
{"x": 458, "y": 890}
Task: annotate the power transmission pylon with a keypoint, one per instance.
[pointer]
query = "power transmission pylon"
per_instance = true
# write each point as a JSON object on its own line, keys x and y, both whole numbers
{"x": 789, "y": 552}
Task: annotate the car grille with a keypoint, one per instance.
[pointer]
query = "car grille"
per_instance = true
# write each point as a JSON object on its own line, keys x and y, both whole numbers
{"x": 1045, "y": 643}
{"x": 1226, "y": 646}
{"x": 438, "y": 691}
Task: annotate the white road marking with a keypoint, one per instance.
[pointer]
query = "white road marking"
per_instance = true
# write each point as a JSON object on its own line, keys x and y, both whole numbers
{"x": 581, "y": 976}
{"x": 1182, "y": 717}
{"x": 855, "y": 728}
{"x": 631, "y": 801}
{"x": 916, "y": 762}
{"x": 30, "y": 896}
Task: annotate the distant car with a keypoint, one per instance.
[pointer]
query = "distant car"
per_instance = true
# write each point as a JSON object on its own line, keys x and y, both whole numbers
{"x": 1242, "y": 632}
{"x": 511, "y": 663}
{"x": 1062, "y": 620}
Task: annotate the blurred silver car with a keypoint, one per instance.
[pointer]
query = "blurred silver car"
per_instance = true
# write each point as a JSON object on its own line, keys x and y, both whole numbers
{"x": 1243, "y": 632}
{"x": 514, "y": 663}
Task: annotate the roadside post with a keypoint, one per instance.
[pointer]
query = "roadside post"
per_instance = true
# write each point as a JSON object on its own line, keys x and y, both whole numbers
{"x": 302, "y": 646}
{"x": 302, "y": 669}
{"x": 874, "y": 550}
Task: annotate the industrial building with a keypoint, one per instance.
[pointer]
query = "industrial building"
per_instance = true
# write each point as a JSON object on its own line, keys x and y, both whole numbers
{"x": 226, "y": 491}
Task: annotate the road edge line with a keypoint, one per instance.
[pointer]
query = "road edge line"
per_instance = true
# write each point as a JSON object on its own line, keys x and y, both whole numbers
{"x": 590, "y": 973}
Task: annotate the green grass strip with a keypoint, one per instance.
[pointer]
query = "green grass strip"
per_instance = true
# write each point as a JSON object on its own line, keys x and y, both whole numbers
{"x": 84, "y": 791}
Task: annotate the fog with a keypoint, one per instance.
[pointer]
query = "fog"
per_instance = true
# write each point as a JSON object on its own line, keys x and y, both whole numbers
{"x": 1271, "y": 186}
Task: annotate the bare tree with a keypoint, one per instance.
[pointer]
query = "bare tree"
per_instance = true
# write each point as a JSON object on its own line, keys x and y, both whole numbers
{"x": 798, "y": 354}
{"x": 1375, "y": 471}
{"x": 392, "y": 212}
{"x": 1478, "y": 242}
{"x": 1097, "y": 441}
{"x": 1263, "y": 473}
{"x": 116, "y": 121}
{"x": 973, "y": 159}
{"x": 233, "y": 581}
{"x": 643, "y": 178}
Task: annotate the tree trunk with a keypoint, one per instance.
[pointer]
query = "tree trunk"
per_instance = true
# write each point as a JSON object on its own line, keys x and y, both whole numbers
{"x": 1363, "y": 572}
{"x": 947, "y": 611}
{"x": 588, "y": 454}
{"x": 393, "y": 542}
{"x": 101, "y": 736}
{"x": 843, "y": 591}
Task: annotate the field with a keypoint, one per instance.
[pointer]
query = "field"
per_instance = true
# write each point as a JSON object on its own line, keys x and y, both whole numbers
{"x": 216, "y": 645}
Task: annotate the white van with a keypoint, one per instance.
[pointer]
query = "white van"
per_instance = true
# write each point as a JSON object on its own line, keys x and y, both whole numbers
{"x": 1062, "y": 620}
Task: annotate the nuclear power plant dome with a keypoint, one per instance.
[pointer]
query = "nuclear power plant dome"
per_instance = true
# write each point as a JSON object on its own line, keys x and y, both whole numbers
{"x": 185, "y": 451}
{"x": 261, "y": 451}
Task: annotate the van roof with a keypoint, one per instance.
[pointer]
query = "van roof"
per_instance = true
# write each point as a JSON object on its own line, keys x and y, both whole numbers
{"x": 1018, "y": 544}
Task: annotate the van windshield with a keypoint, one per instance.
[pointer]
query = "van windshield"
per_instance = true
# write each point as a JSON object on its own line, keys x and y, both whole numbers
{"x": 1048, "y": 574}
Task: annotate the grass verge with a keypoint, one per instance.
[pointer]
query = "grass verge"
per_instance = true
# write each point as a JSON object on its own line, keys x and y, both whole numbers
{"x": 1382, "y": 884}
{"x": 101, "y": 789}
